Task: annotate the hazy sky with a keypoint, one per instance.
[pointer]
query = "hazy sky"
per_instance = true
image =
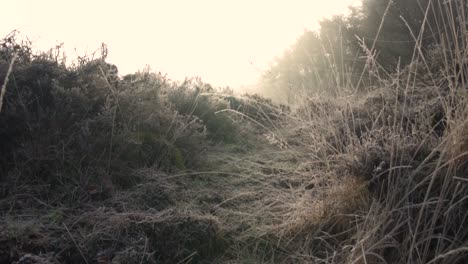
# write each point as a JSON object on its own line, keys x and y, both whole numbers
{"x": 224, "y": 42}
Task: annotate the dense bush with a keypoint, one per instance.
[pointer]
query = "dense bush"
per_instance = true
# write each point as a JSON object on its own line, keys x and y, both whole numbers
{"x": 83, "y": 126}
{"x": 195, "y": 98}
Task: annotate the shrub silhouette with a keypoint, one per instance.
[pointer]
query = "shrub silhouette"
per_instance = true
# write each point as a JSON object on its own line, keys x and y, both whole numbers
{"x": 79, "y": 125}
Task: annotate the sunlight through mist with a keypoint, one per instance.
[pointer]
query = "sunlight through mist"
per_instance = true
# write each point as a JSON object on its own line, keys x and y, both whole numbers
{"x": 223, "y": 42}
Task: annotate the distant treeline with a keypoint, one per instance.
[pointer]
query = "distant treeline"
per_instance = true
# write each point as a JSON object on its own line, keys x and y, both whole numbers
{"x": 373, "y": 41}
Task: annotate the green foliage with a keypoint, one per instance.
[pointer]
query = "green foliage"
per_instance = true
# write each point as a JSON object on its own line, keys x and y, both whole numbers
{"x": 195, "y": 99}
{"x": 83, "y": 126}
{"x": 178, "y": 159}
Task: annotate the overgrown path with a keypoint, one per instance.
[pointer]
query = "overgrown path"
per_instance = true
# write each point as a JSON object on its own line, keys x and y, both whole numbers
{"x": 251, "y": 191}
{"x": 236, "y": 208}
{"x": 264, "y": 197}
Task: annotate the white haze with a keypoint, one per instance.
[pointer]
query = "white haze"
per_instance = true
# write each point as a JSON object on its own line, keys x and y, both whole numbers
{"x": 223, "y": 42}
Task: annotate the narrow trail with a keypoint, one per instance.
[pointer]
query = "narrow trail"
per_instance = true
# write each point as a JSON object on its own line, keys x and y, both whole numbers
{"x": 263, "y": 197}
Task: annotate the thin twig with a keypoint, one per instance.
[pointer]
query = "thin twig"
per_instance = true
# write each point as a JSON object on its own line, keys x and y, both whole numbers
{"x": 4, "y": 86}
{"x": 76, "y": 245}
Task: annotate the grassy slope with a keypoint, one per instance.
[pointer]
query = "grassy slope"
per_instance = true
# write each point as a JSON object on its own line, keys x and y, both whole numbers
{"x": 341, "y": 180}
{"x": 369, "y": 177}
{"x": 251, "y": 204}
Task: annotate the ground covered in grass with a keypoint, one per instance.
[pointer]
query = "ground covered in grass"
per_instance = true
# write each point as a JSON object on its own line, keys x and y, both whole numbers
{"x": 98, "y": 168}
{"x": 250, "y": 203}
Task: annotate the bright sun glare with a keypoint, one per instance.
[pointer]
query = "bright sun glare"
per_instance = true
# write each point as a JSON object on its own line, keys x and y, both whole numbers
{"x": 223, "y": 42}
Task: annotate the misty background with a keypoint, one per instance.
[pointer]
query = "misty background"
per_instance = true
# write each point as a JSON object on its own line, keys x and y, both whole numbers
{"x": 226, "y": 43}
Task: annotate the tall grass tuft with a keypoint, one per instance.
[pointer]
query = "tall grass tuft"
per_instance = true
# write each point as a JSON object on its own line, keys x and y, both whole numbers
{"x": 405, "y": 138}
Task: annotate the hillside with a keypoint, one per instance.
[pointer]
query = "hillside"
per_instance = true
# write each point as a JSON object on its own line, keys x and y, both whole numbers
{"x": 101, "y": 168}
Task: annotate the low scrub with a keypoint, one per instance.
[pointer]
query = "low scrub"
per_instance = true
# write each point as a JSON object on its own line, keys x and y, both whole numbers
{"x": 86, "y": 129}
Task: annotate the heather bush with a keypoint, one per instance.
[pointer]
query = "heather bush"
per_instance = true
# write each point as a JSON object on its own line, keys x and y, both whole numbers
{"x": 194, "y": 98}
{"x": 83, "y": 126}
